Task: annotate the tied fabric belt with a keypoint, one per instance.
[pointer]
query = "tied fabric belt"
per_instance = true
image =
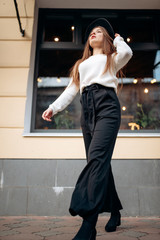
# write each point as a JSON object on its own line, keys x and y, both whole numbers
{"x": 88, "y": 106}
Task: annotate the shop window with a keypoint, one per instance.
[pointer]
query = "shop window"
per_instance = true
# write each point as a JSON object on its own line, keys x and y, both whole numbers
{"x": 60, "y": 44}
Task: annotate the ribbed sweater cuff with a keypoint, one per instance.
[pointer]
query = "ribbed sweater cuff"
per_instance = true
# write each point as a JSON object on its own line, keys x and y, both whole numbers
{"x": 118, "y": 38}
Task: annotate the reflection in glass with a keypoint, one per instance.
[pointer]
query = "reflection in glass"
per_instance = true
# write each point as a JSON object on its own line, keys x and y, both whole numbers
{"x": 139, "y": 29}
{"x": 141, "y": 96}
{"x": 58, "y": 30}
{"x": 140, "y": 104}
{"x": 51, "y": 82}
{"x": 48, "y": 89}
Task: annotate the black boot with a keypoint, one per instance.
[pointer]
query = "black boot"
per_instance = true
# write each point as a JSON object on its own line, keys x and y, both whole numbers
{"x": 114, "y": 221}
{"x": 87, "y": 231}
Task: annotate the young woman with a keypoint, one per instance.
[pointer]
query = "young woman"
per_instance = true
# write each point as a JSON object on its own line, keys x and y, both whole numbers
{"x": 95, "y": 75}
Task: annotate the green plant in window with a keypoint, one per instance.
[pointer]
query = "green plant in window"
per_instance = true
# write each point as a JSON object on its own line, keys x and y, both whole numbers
{"x": 146, "y": 120}
{"x": 63, "y": 120}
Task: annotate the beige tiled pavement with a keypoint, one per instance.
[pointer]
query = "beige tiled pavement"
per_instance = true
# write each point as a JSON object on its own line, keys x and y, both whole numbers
{"x": 59, "y": 228}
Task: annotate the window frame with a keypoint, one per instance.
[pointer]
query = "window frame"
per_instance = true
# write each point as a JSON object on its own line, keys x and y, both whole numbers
{"x": 29, "y": 120}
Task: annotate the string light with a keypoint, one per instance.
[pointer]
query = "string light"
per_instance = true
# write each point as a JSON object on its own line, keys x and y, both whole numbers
{"x": 56, "y": 39}
{"x": 58, "y": 80}
{"x": 146, "y": 90}
{"x": 72, "y": 28}
{"x": 153, "y": 80}
{"x": 128, "y": 39}
{"x": 135, "y": 81}
{"x": 124, "y": 108}
{"x": 39, "y": 80}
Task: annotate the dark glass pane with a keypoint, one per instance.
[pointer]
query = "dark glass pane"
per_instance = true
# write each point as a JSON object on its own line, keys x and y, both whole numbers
{"x": 57, "y": 62}
{"x": 139, "y": 100}
{"x": 51, "y": 82}
{"x": 141, "y": 64}
{"x": 61, "y": 29}
{"x": 139, "y": 29}
{"x": 140, "y": 96}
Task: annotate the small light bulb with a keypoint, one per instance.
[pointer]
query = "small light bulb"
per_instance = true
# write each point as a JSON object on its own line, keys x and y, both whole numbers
{"x": 128, "y": 39}
{"x": 56, "y": 39}
{"x": 153, "y": 80}
{"x": 39, "y": 80}
{"x": 146, "y": 90}
{"x": 58, "y": 79}
{"x": 124, "y": 108}
{"x": 72, "y": 28}
{"x": 135, "y": 81}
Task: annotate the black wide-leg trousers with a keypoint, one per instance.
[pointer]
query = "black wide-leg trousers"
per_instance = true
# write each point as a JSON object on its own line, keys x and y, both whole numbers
{"x": 95, "y": 190}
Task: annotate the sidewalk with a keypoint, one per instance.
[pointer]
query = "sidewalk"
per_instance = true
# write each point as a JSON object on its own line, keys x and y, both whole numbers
{"x": 64, "y": 228}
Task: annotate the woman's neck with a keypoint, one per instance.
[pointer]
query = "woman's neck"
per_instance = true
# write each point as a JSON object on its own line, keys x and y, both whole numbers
{"x": 97, "y": 51}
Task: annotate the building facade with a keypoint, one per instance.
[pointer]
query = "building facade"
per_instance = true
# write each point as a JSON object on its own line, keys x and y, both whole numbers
{"x": 39, "y": 161}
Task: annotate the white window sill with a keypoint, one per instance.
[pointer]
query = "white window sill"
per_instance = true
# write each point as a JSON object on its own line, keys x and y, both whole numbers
{"x": 79, "y": 134}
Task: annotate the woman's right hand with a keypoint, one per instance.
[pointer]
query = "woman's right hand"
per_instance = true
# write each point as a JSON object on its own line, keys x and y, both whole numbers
{"x": 47, "y": 114}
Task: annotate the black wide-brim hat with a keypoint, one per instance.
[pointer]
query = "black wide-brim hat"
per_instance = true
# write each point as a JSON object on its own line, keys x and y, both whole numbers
{"x": 99, "y": 22}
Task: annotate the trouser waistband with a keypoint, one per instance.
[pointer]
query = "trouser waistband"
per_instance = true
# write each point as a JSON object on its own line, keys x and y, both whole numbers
{"x": 95, "y": 86}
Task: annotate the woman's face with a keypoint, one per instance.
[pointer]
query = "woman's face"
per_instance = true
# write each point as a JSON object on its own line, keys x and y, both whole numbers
{"x": 96, "y": 38}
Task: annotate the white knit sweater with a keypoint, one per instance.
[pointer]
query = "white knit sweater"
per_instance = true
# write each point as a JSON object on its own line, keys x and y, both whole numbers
{"x": 90, "y": 71}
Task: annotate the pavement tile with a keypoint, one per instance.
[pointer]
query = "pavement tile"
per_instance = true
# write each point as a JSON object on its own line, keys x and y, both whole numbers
{"x": 156, "y": 226}
{"x": 25, "y": 219}
{"x": 15, "y": 225}
{"x": 22, "y": 237}
{"x": 56, "y": 220}
{"x": 71, "y": 224}
{"x": 149, "y": 230}
{"x": 8, "y": 233}
{"x": 31, "y": 229}
{"x": 151, "y": 237}
{"x": 47, "y": 233}
{"x": 68, "y": 230}
{"x": 60, "y": 237}
{"x": 3, "y": 228}
{"x": 134, "y": 234}
{"x": 117, "y": 237}
{"x": 150, "y": 220}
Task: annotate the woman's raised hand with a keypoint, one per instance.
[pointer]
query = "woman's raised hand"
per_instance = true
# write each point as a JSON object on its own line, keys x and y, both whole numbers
{"x": 116, "y": 34}
{"x": 47, "y": 114}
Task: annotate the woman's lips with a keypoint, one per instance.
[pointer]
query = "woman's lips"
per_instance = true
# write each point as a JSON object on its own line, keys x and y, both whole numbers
{"x": 93, "y": 37}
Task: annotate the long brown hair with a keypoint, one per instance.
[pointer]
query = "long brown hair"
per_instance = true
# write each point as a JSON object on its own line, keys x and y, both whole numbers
{"x": 108, "y": 49}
